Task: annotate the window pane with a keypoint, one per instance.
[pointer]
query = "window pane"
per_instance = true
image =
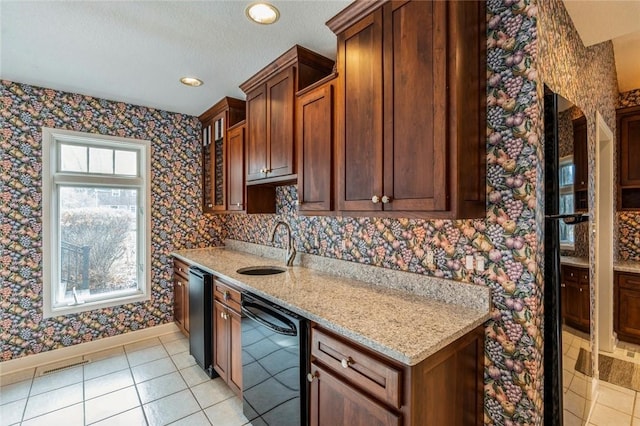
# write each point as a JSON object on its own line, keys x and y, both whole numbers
{"x": 100, "y": 160}
{"x": 126, "y": 163}
{"x": 98, "y": 242}
{"x": 566, "y": 203}
{"x": 73, "y": 158}
{"x": 566, "y": 174}
{"x": 566, "y": 233}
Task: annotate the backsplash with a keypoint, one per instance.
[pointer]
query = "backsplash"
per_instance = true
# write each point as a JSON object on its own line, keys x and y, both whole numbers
{"x": 177, "y": 221}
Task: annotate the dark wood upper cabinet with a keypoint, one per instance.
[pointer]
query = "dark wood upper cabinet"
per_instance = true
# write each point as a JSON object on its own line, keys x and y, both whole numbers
{"x": 581, "y": 162}
{"x": 271, "y": 113}
{"x": 359, "y": 141}
{"x": 216, "y": 122}
{"x": 314, "y": 145}
{"x": 411, "y": 107}
{"x": 235, "y": 169}
{"x": 628, "y": 125}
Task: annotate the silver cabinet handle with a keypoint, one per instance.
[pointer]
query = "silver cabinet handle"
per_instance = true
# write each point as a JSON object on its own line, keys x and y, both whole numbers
{"x": 385, "y": 199}
{"x": 346, "y": 362}
{"x": 310, "y": 376}
{"x": 375, "y": 199}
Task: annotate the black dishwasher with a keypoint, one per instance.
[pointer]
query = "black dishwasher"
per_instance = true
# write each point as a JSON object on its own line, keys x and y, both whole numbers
{"x": 275, "y": 360}
{"x": 200, "y": 318}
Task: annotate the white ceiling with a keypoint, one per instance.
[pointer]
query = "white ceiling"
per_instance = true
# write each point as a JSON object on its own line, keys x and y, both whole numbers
{"x": 136, "y": 51}
{"x": 616, "y": 20}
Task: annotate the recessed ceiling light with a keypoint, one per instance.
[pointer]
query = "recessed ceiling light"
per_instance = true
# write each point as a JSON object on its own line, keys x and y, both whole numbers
{"x": 191, "y": 81}
{"x": 262, "y": 13}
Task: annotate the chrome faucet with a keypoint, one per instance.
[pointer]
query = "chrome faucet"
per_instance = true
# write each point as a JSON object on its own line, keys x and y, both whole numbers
{"x": 291, "y": 250}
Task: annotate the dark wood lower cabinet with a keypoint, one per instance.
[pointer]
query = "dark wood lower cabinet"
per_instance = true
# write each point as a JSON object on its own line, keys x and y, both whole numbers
{"x": 627, "y": 306}
{"x": 181, "y": 295}
{"x": 576, "y": 297}
{"x": 334, "y": 402}
{"x": 227, "y": 350}
{"x": 351, "y": 385}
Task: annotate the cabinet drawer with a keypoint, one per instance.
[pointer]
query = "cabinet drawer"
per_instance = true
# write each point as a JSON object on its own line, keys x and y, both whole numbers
{"x": 373, "y": 375}
{"x": 227, "y": 295}
{"x": 631, "y": 281}
{"x": 181, "y": 268}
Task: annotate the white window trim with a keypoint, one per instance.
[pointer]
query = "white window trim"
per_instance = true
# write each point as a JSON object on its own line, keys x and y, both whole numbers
{"x": 566, "y": 189}
{"x": 50, "y": 137}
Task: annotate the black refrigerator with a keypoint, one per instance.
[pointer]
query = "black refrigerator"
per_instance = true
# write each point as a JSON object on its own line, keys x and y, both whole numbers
{"x": 552, "y": 352}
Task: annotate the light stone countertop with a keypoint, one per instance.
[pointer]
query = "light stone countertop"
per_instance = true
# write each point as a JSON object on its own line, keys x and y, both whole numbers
{"x": 403, "y": 325}
{"x": 583, "y": 262}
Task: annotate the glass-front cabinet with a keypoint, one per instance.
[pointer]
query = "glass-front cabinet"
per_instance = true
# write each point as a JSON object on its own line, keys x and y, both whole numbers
{"x": 215, "y": 156}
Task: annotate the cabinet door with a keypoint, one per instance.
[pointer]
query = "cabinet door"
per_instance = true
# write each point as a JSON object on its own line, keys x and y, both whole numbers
{"x": 415, "y": 106}
{"x": 280, "y": 102}
{"x": 580, "y": 156}
{"x": 314, "y": 126}
{"x": 627, "y": 307}
{"x": 235, "y": 171}
{"x": 220, "y": 340}
{"x": 585, "y": 298}
{"x": 235, "y": 352}
{"x": 359, "y": 139}
{"x": 333, "y": 402}
{"x": 257, "y": 133}
{"x": 573, "y": 300}
{"x": 214, "y": 164}
{"x": 630, "y": 150}
{"x": 178, "y": 301}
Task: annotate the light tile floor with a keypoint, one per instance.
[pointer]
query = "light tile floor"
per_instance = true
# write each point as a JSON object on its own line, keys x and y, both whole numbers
{"x": 151, "y": 382}
{"x": 615, "y": 405}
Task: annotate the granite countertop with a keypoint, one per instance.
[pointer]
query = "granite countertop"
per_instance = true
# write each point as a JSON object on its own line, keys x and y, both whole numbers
{"x": 621, "y": 266}
{"x": 402, "y": 325}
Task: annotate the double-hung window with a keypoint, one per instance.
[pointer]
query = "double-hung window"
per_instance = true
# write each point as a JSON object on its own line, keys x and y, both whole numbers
{"x": 96, "y": 243}
{"x": 566, "y": 175}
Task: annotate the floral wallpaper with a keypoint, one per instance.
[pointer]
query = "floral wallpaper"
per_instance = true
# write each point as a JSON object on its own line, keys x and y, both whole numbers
{"x": 630, "y": 98}
{"x": 176, "y": 216}
{"x": 628, "y": 222}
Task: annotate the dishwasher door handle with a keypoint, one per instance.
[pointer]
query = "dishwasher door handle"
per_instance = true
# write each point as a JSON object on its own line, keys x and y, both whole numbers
{"x": 290, "y": 331}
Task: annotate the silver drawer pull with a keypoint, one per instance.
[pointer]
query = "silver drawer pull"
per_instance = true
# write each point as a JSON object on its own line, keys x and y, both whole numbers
{"x": 346, "y": 362}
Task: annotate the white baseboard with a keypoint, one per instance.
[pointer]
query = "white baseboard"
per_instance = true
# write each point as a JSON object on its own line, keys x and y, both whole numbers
{"x": 36, "y": 360}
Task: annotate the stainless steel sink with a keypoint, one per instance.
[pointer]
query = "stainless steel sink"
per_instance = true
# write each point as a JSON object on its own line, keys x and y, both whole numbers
{"x": 261, "y": 270}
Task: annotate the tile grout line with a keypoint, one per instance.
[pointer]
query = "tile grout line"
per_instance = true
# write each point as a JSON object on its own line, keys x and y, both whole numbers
{"x": 26, "y": 403}
{"x": 135, "y": 385}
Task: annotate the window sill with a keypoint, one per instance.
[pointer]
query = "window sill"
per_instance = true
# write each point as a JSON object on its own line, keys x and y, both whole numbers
{"x": 137, "y": 296}
{"x": 568, "y": 247}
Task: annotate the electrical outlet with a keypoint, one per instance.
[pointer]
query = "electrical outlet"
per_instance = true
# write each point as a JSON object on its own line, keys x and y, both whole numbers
{"x": 636, "y": 241}
{"x": 430, "y": 257}
{"x": 344, "y": 245}
{"x": 479, "y": 264}
{"x": 469, "y": 262}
